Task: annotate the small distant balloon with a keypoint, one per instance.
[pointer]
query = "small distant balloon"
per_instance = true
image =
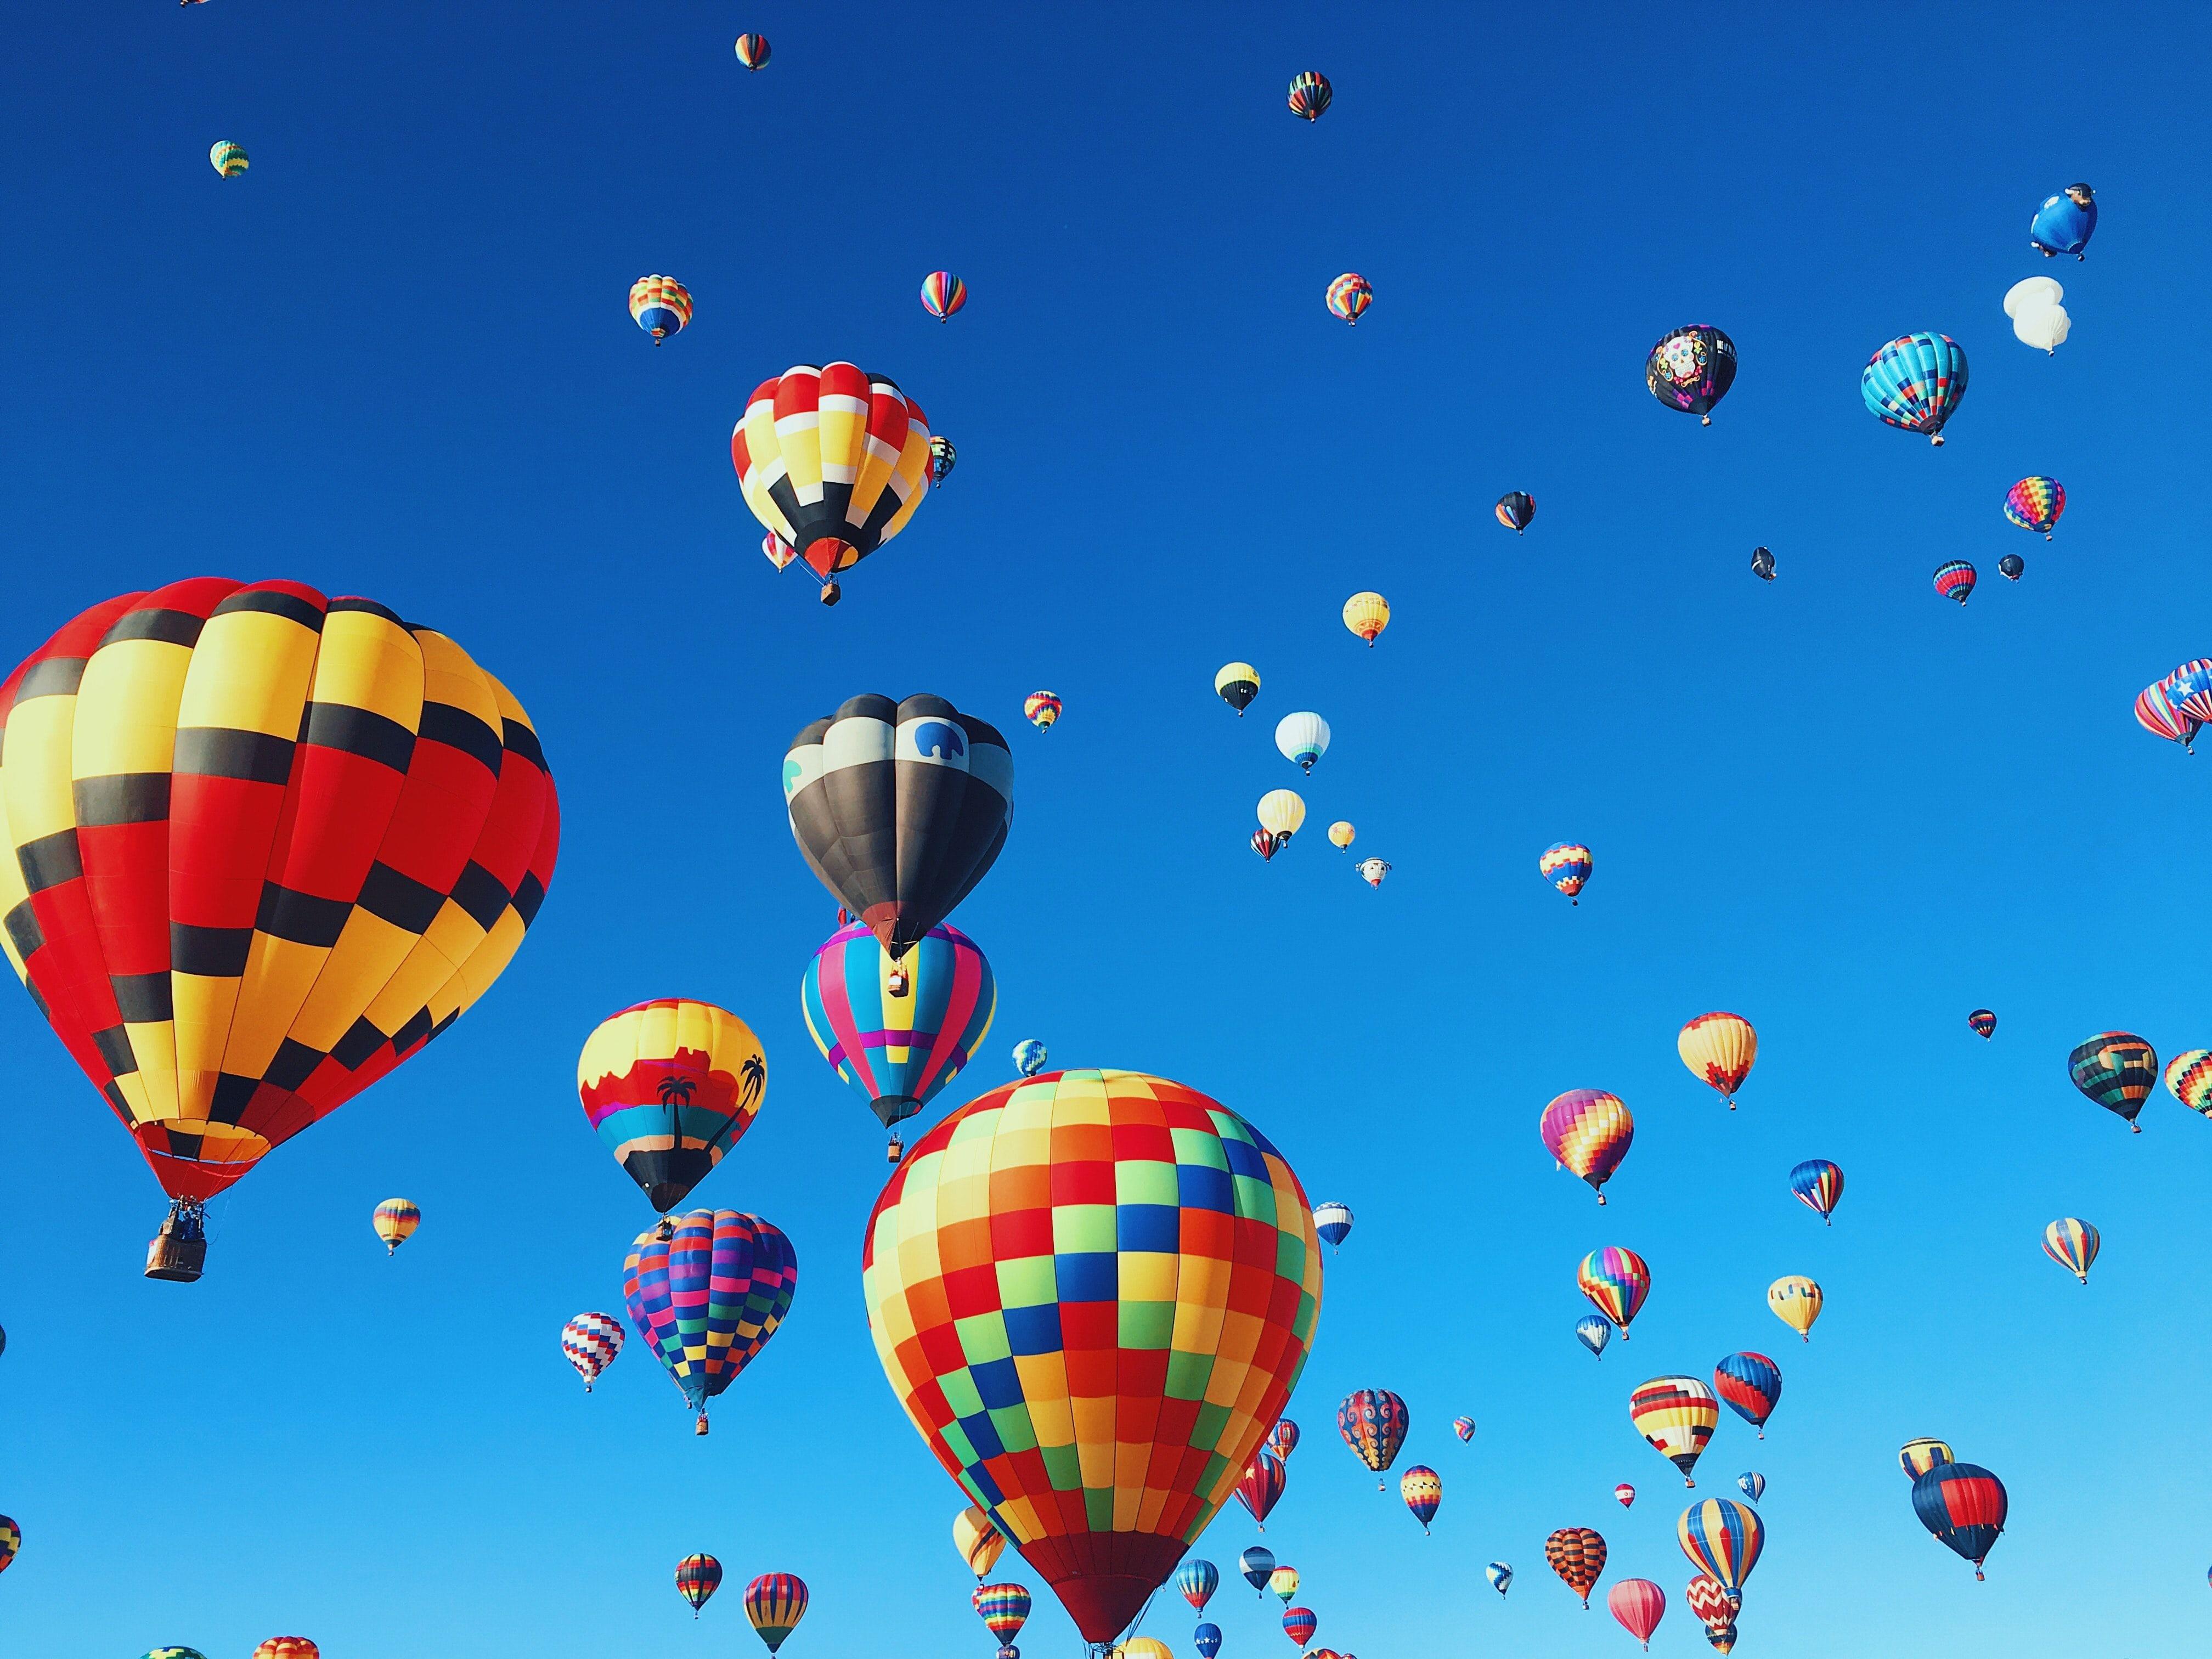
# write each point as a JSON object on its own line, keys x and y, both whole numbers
{"x": 1302, "y": 737}
{"x": 1954, "y": 579}
{"x": 1423, "y": 1490}
{"x": 1916, "y": 1457}
{"x": 1029, "y": 1056}
{"x": 2118, "y": 1071}
{"x": 778, "y": 552}
{"x": 1797, "y": 1302}
{"x": 1691, "y": 369}
{"x": 1964, "y": 1506}
{"x": 1299, "y": 1624}
{"x": 943, "y": 293}
{"x": 1349, "y": 296}
{"x": 1983, "y": 1021}
{"x": 2157, "y": 712}
{"x": 1283, "y": 1438}
{"x": 1281, "y": 811}
{"x": 1624, "y": 1494}
{"x": 1371, "y": 871}
{"x": 1721, "y": 1049}
{"x": 1638, "y": 1604}
{"x": 1367, "y": 614}
{"x": 753, "y": 52}
{"x": 590, "y": 1341}
{"x": 1753, "y": 1484}
{"x": 2036, "y": 503}
{"x": 1516, "y": 510}
{"x": 1340, "y": 834}
{"x": 1236, "y": 684}
{"x": 227, "y": 158}
{"x": 1751, "y": 1384}
{"x": 1258, "y": 1566}
{"x": 1463, "y": 1427}
{"x": 1207, "y": 1638}
{"x": 1762, "y": 564}
{"x": 1500, "y": 1576}
{"x": 660, "y": 305}
{"x": 1041, "y": 709}
{"x": 1594, "y": 1332}
{"x": 1567, "y": 866}
{"x": 2072, "y": 1243}
{"x": 395, "y": 1221}
{"x": 1265, "y": 846}
{"x": 1196, "y": 1580}
{"x": 2038, "y": 319}
{"x": 942, "y": 457}
{"x": 1916, "y": 382}
{"x": 2064, "y": 224}
{"x": 1310, "y": 94}
{"x": 1616, "y": 1281}
{"x": 697, "y": 1578}
{"x": 2012, "y": 567}
{"x": 1587, "y": 1132}
{"x": 978, "y": 1540}
{"x": 1578, "y": 1555}
{"x": 1261, "y": 1487}
{"x": 2187, "y": 1078}
{"x": 1819, "y": 1185}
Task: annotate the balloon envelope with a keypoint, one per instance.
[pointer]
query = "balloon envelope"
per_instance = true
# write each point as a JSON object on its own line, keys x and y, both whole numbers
{"x": 1588, "y": 1132}
{"x": 1916, "y": 382}
{"x": 1616, "y": 1281}
{"x": 1723, "y": 1539}
{"x": 707, "y": 1297}
{"x": 669, "y": 1086}
{"x": 898, "y": 1050}
{"x": 1964, "y": 1506}
{"x": 833, "y": 459}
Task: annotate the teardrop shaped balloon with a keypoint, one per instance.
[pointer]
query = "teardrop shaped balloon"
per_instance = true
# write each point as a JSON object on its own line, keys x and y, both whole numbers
{"x": 1594, "y": 1331}
{"x": 1916, "y": 1457}
{"x": 1638, "y": 1605}
{"x": 1197, "y": 1580}
{"x": 1003, "y": 1608}
{"x": 1709, "y": 1603}
{"x": 1500, "y": 1576}
{"x": 1983, "y": 1024}
{"x": 1578, "y": 1555}
{"x": 1566, "y": 865}
{"x": 1677, "y": 1415}
{"x": 1723, "y": 1539}
{"x": 1029, "y": 1056}
{"x": 1261, "y": 1486}
{"x": 2189, "y": 1079}
{"x": 1310, "y": 94}
{"x": 1752, "y": 1385}
{"x": 1463, "y": 1427}
{"x": 1616, "y": 1281}
{"x": 1954, "y": 579}
{"x": 1332, "y": 1221}
{"x": 1721, "y": 1050}
{"x": 1587, "y": 1132}
{"x": 2072, "y": 1243}
{"x": 900, "y": 809}
{"x": 1237, "y": 683}
{"x": 1625, "y": 1495}
{"x": 943, "y": 293}
{"x": 2118, "y": 1070}
{"x": 2157, "y": 714}
{"x": 753, "y": 51}
{"x": 1915, "y": 383}
{"x": 227, "y": 158}
{"x": 1207, "y": 1638}
{"x": 1423, "y": 1490}
{"x": 706, "y": 1291}
{"x": 1299, "y": 1624}
{"x": 1340, "y": 834}
{"x": 1373, "y": 1422}
{"x": 590, "y": 1341}
{"x": 1819, "y": 1185}
{"x": 1123, "y": 1217}
{"x": 775, "y": 1603}
{"x": 1302, "y": 737}
{"x": 1283, "y": 1584}
{"x": 395, "y": 1221}
{"x": 1367, "y": 614}
{"x": 1283, "y": 1439}
{"x": 1964, "y": 1506}
{"x": 697, "y": 1578}
{"x": 1258, "y": 1566}
{"x": 267, "y": 845}
{"x": 1349, "y": 296}
{"x": 1041, "y": 709}
{"x": 1797, "y": 1302}
{"x": 1281, "y": 811}
{"x": 2035, "y": 503}
{"x": 1691, "y": 369}
{"x": 670, "y": 1086}
{"x": 943, "y": 457}
{"x": 1751, "y": 1483}
{"x": 980, "y": 1542}
{"x": 660, "y": 305}
{"x": 1516, "y": 510}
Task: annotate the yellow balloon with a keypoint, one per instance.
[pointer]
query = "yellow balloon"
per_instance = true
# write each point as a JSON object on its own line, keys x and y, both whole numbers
{"x": 979, "y": 1542}
{"x": 1719, "y": 1048}
{"x": 1367, "y": 614}
{"x": 1281, "y": 812}
{"x": 1340, "y": 833}
{"x": 1797, "y": 1301}
{"x": 1143, "y": 1646}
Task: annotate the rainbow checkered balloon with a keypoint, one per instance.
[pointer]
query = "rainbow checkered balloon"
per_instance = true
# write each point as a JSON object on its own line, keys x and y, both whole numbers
{"x": 1093, "y": 1293}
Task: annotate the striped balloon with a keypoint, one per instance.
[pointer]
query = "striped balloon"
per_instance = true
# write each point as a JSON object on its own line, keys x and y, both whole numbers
{"x": 227, "y": 158}
{"x": 660, "y": 305}
{"x": 1373, "y": 1422}
{"x": 1916, "y": 382}
{"x": 669, "y": 1086}
{"x": 1819, "y": 1185}
{"x": 1197, "y": 1580}
{"x": 1588, "y": 1132}
{"x": 1983, "y": 1021}
{"x": 1566, "y": 865}
{"x": 1309, "y": 94}
{"x": 2188, "y": 1078}
{"x": 2190, "y": 689}
{"x": 1954, "y": 579}
{"x": 1463, "y": 1427}
{"x": 1709, "y": 1603}
{"x": 590, "y": 1341}
{"x": 1723, "y": 1539}
{"x": 1616, "y": 1281}
{"x": 697, "y": 1578}
{"x": 1965, "y": 1506}
{"x": 1677, "y": 1415}
{"x": 753, "y": 52}
{"x": 778, "y": 552}
{"x": 2157, "y": 714}
{"x": 1578, "y": 1555}
{"x": 2036, "y": 504}
{"x": 11, "y": 1539}
{"x": 1349, "y": 296}
{"x": 1283, "y": 1584}
{"x": 2118, "y": 1070}
{"x": 1258, "y": 1566}
{"x": 1332, "y": 1221}
{"x": 706, "y": 1291}
{"x": 395, "y": 1221}
{"x": 979, "y": 1541}
{"x": 1041, "y": 709}
{"x": 1594, "y": 1331}
{"x": 1299, "y": 1624}
{"x": 1638, "y": 1604}
{"x": 1261, "y": 1486}
{"x": 1753, "y": 1485}
{"x": 1283, "y": 1439}
{"x": 1423, "y": 1489}
{"x": 1516, "y": 510}
{"x": 1752, "y": 1385}
{"x": 943, "y": 457}
{"x": 776, "y": 1603}
{"x": 1003, "y": 1608}
{"x": 943, "y": 293}
{"x": 2072, "y": 1243}
{"x": 1916, "y": 1457}
{"x": 1625, "y": 1495}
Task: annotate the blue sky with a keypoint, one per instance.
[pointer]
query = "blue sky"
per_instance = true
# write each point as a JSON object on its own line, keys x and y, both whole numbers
{"x": 394, "y": 359}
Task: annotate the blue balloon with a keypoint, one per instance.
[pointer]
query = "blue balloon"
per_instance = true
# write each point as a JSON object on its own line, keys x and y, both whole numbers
{"x": 1197, "y": 1580}
{"x": 1255, "y": 1564}
{"x": 1207, "y": 1638}
{"x": 1029, "y": 1056}
{"x": 1332, "y": 1221}
{"x": 2064, "y": 224}
{"x": 1915, "y": 382}
{"x": 898, "y": 1050}
{"x": 1753, "y": 1483}
{"x": 1594, "y": 1331}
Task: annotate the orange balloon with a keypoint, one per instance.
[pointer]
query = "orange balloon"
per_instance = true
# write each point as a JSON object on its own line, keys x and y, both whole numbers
{"x": 1719, "y": 1048}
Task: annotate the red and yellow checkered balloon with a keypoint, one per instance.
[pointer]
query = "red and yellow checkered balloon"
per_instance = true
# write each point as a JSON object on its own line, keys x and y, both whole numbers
{"x": 1093, "y": 1291}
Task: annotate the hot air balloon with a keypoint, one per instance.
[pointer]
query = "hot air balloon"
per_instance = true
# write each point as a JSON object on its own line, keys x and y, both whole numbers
{"x": 1261, "y": 1488}
{"x": 1594, "y": 1331}
{"x": 1578, "y": 1555}
{"x": 2038, "y": 319}
{"x": 2035, "y": 503}
{"x": 1340, "y": 834}
{"x": 287, "y": 1647}
{"x": 1258, "y": 1566}
{"x": 1625, "y": 1495}
{"x": 1310, "y": 94}
{"x": 1283, "y": 1584}
{"x": 1719, "y": 1048}
{"x": 1709, "y": 1603}
{"x": 1463, "y": 1427}
{"x": 1500, "y": 1576}
{"x": 1367, "y": 614}
{"x": 1265, "y": 846}
{"x": 1283, "y": 1439}
{"x": 1281, "y": 811}
{"x": 1982, "y": 1023}
{"x": 1423, "y": 1489}
{"x": 1616, "y": 1281}
{"x": 1141, "y": 1647}
{"x": 776, "y": 1603}
{"x": 227, "y": 158}
{"x": 778, "y": 552}
{"x": 705, "y": 1293}
{"x": 669, "y": 1086}
{"x": 590, "y": 1341}
{"x": 1207, "y": 1638}
{"x": 1333, "y": 1221}
{"x": 1954, "y": 579}
{"x": 753, "y": 52}
{"x": 1566, "y": 865}
{"x": 1373, "y": 1422}
{"x": 2072, "y": 1243}
{"x": 1516, "y": 510}
{"x": 395, "y": 1221}
{"x": 2156, "y": 714}
{"x": 979, "y": 1541}
{"x": 1588, "y": 1132}
{"x": 1753, "y": 1485}
{"x": 660, "y": 305}
{"x": 2190, "y": 687}
{"x": 1041, "y": 709}
{"x": 1299, "y": 1624}
{"x": 1723, "y": 1539}
{"x": 1762, "y": 564}
{"x": 1797, "y": 1302}
{"x": 1237, "y": 683}
{"x": 1691, "y": 369}
{"x": 1916, "y": 1457}
{"x": 1197, "y": 1580}
{"x": 899, "y": 809}
{"x": 1004, "y": 1609}
{"x": 895, "y": 1048}
{"x": 1371, "y": 871}
{"x": 1677, "y": 1415}
{"x": 1915, "y": 383}
{"x": 2064, "y": 224}
{"x": 177, "y": 1653}
{"x": 1029, "y": 1056}
{"x": 1752, "y": 1385}
{"x": 1349, "y": 296}
{"x": 2188, "y": 1079}
{"x": 1819, "y": 1185}
{"x": 943, "y": 457}
{"x": 835, "y": 461}
{"x": 1302, "y": 737}
{"x": 943, "y": 293}
{"x": 268, "y": 845}
{"x": 2118, "y": 1070}
{"x": 1964, "y": 1505}
{"x": 1224, "y": 1221}
{"x": 1638, "y": 1604}
{"x": 697, "y": 1577}
{"x": 11, "y": 1540}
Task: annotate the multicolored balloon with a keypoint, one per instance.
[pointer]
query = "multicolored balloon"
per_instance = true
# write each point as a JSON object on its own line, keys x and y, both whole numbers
{"x": 1752, "y": 1485}
{"x": 1691, "y": 369}
{"x": 1677, "y": 1415}
{"x": 1423, "y": 1489}
{"x": 1819, "y": 1185}
{"x": 1332, "y": 1220}
{"x": 395, "y": 1221}
{"x": 943, "y": 293}
{"x": 1262, "y": 1486}
{"x": 590, "y": 1342}
{"x": 660, "y": 305}
{"x": 1516, "y": 510}
{"x": 1639, "y": 1605}
{"x": 1349, "y": 296}
{"x": 1373, "y": 1422}
{"x": 1283, "y": 1584}
{"x": 1723, "y": 1539}
{"x": 1029, "y": 1056}
{"x": 1954, "y": 579}
{"x": 697, "y": 1577}
{"x": 2189, "y": 1079}
{"x": 287, "y": 1647}
{"x": 1464, "y": 1427}
{"x": 1982, "y": 1023}
{"x": 1367, "y": 614}
{"x": 1500, "y": 1576}
{"x": 2064, "y": 224}
{"x": 1258, "y": 1566}
{"x": 778, "y": 552}
{"x": 1797, "y": 1301}
{"x": 1578, "y": 1555}
{"x": 2072, "y": 1243}
{"x": 1224, "y": 1221}
{"x": 1299, "y": 1624}
{"x": 1197, "y": 1580}
{"x": 227, "y": 158}
{"x": 776, "y": 1603}
{"x": 706, "y": 1291}
{"x": 2118, "y": 1070}
{"x": 1916, "y": 1457}
{"x": 1041, "y": 709}
{"x": 1616, "y": 1281}
{"x": 1566, "y": 865}
{"x": 1752, "y": 1385}
{"x": 11, "y": 1541}
{"x": 1265, "y": 846}
{"x": 1594, "y": 1331}
{"x": 1587, "y": 1132}
{"x": 1625, "y": 1495}
{"x": 1371, "y": 871}
{"x": 1309, "y": 94}
{"x": 1283, "y": 1439}
{"x": 1237, "y": 683}
{"x": 1721, "y": 1050}
{"x": 670, "y": 1086}
{"x": 943, "y": 457}
{"x": 753, "y": 52}
{"x": 1964, "y": 1506}
{"x": 1709, "y": 1603}
{"x": 1915, "y": 383}
{"x": 1003, "y": 1608}
{"x": 2189, "y": 686}
{"x": 979, "y": 1541}
{"x": 2035, "y": 503}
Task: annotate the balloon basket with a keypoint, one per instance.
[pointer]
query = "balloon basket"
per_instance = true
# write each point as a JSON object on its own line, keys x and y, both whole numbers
{"x": 701, "y": 1428}
{"x": 895, "y": 1151}
{"x": 176, "y": 1260}
{"x": 831, "y": 593}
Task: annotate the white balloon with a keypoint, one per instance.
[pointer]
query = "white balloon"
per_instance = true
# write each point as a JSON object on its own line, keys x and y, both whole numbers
{"x": 2035, "y": 291}
{"x": 2043, "y": 327}
{"x": 1303, "y": 737}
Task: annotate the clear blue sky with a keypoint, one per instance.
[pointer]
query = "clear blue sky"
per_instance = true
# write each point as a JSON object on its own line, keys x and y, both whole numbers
{"x": 394, "y": 359}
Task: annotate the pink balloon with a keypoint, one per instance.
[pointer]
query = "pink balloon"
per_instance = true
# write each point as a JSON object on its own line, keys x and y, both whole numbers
{"x": 1639, "y": 1604}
